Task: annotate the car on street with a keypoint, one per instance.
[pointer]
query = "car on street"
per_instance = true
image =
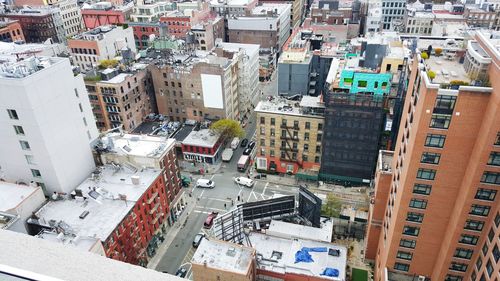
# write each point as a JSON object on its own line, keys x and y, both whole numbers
{"x": 251, "y": 145}
{"x": 197, "y": 239}
{"x": 260, "y": 176}
{"x": 210, "y": 220}
{"x": 205, "y": 183}
{"x": 244, "y": 181}
{"x": 244, "y": 143}
{"x": 181, "y": 272}
{"x": 247, "y": 151}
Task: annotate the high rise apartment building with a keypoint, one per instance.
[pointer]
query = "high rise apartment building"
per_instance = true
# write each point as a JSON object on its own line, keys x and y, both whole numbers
{"x": 441, "y": 207}
{"x": 45, "y": 127}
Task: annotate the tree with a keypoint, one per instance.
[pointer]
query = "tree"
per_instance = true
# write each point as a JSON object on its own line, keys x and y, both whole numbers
{"x": 424, "y": 56}
{"x": 332, "y": 207}
{"x": 227, "y": 129}
{"x": 438, "y": 51}
{"x": 431, "y": 74}
{"x": 108, "y": 64}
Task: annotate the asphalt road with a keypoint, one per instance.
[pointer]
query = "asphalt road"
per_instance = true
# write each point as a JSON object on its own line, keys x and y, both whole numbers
{"x": 219, "y": 199}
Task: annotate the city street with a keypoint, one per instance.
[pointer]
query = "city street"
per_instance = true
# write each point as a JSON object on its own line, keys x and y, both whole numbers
{"x": 220, "y": 199}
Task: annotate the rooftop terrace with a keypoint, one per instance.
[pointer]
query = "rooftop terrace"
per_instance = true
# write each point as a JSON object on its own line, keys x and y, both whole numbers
{"x": 224, "y": 256}
{"x": 107, "y": 197}
{"x": 447, "y": 69}
{"x": 278, "y": 255}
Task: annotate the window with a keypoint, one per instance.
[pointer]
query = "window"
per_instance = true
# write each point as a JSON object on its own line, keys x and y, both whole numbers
{"x": 262, "y": 142}
{"x": 401, "y": 266}
{"x": 474, "y": 225}
{"x": 426, "y": 174}
{"x": 272, "y": 142}
{"x": 445, "y": 104}
{"x": 404, "y": 255}
{"x": 433, "y": 140}
{"x": 262, "y": 120}
{"x": 479, "y": 262}
{"x": 468, "y": 239}
{"x": 485, "y": 249}
{"x": 30, "y": 159}
{"x": 496, "y": 253}
{"x": 318, "y": 138}
{"x": 19, "y": 130}
{"x": 430, "y": 158}
{"x": 489, "y": 268}
{"x": 296, "y": 125}
{"x": 414, "y": 217}
{"x": 458, "y": 266}
{"x": 25, "y": 145}
{"x": 273, "y": 132}
{"x": 318, "y": 148}
{"x": 411, "y": 230}
{"x": 497, "y": 219}
{"x": 440, "y": 121}
{"x": 450, "y": 277}
{"x": 491, "y": 177}
{"x": 407, "y": 243}
{"x": 494, "y": 159}
{"x": 12, "y": 114}
{"x": 479, "y": 210}
{"x": 36, "y": 173}
{"x": 423, "y": 189}
{"x": 306, "y": 147}
{"x": 486, "y": 194}
{"x": 497, "y": 139}
{"x": 320, "y": 126}
{"x": 491, "y": 235}
{"x": 262, "y": 130}
{"x": 316, "y": 159}
{"x": 273, "y": 121}
{"x": 306, "y": 136}
{"x": 463, "y": 253}
{"x": 308, "y": 125}
{"x": 418, "y": 203}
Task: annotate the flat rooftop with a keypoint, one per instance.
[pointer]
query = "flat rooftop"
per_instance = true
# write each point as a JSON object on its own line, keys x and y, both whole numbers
{"x": 81, "y": 243}
{"x": 183, "y": 132}
{"x": 26, "y": 67}
{"x": 109, "y": 197}
{"x": 7, "y": 219}
{"x": 446, "y": 69}
{"x": 203, "y": 138}
{"x": 117, "y": 79}
{"x": 385, "y": 160}
{"x": 278, "y": 255}
{"x": 11, "y": 195}
{"x": 291, "y": 230}
{"x": 289, "y": 107}
{"x": 136, "y": 145}
{"x": 224, "y": 256}
{"x": 36, "y": 259}
{"x": 230, "y": 3}
{"x": 263, "y": 9}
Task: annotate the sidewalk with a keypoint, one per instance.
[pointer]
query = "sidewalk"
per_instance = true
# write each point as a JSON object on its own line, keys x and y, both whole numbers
{"x": 172, "y": 233}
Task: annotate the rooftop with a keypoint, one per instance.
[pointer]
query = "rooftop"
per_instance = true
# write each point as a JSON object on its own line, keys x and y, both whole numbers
{"x": 203, "y": 138}
{"x": 36, "y": 259}
{"x": 250, "y": 49}
{"x": 12, "y": 51}
{"x": 385, "y": 160}
{"x": 81, "y": 243}
{"x": 278, "y": 255}
{"x": 136, "y": 145}
{"x": 447, "y": 69}
{"x": 11, "y": 195}
{"x": 97, "y": 33}
{"x": 291, "y": 230}
{"x": 6, "y": 220}
{"x": 307, "y": 106}
{"x": 26, "y": 67}
{"x": 265, "y": 8}
{"x": 230, "y": 3}
{"x": 107, "y": 197}
{"x": 224, "y": 256}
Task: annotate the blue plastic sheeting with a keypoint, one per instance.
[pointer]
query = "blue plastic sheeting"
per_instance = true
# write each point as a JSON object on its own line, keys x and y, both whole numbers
{"x": 303, "y": 254}
{"x": 332, "y": 272}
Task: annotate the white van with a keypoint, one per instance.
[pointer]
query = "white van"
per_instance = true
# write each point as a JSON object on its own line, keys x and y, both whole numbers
{"x": 235, "y": 143}
{"x": 244, "y": 181}
{"x": 205, "y": 183}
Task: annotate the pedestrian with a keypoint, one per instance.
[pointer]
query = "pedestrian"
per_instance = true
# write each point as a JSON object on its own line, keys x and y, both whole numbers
{"x": 224, "y": 205}
{"x": 238, "y": 198}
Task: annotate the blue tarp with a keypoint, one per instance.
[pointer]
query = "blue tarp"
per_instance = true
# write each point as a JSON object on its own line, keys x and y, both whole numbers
{"x": 303, "y": 254}
{"x": 332, "y": 272}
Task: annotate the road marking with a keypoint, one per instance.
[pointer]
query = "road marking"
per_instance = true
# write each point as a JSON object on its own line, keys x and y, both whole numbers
{"x": 264, "y": 191}
{"x": 201, "y": 212}
{"x": 218, "y": 199}
{"x": 209, "y": 209}
{"x": 201, "y": 194}
{"x": 212, "y": 177}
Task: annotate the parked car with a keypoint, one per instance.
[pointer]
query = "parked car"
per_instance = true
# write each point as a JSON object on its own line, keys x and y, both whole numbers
{"x": 197, "y": 239}
{"x": 251, "y": 145}
{"x": 244, "y": 181}
{"x": 260, "y": 176}
{"x": 244, "y": 143}
{"x": 205, "y": 183}
{"x": 247, "y": 151}
{"x": 181, "y": 272}
{"x": 210, "y": 220}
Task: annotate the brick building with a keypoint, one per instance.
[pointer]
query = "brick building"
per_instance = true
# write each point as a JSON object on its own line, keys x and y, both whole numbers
{"x": 289, "y": 135}
{"x": 104, "y": 13}
{"x": 441, "y": 206}
{"x": 11, "y": 31}
{"x": 202, "y": 146}
{"x": 121, "y": 99}
{"x": 179, "y": 23}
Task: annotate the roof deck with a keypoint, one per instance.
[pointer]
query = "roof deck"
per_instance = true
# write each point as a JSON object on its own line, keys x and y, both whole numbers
{"x": 224, "y": 256}
{"x": 447, "y": 69}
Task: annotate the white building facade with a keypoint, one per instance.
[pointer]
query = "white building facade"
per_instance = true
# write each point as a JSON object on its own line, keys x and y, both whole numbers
{"x": 373, "y": 16}
{"x": 393, "y": 12}
{"x": 46, "y": 124}
{"x": 71, "y": 16}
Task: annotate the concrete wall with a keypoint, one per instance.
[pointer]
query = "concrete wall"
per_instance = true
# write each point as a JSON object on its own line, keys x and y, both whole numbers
{"x": 293, "y": 78}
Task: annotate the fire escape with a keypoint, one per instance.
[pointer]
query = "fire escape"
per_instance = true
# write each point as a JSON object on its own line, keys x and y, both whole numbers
{"x": 289, "y": 144}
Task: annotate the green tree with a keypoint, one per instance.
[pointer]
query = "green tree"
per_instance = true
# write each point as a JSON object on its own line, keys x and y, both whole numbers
{"x": 107, "y": 64}
{"x": 438, "y": 51}
{"x": 431, "y": 74}
{"x": 227, "y": 128}
{"x": 332, "y": 207}
{"x": 424, "y": 56}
